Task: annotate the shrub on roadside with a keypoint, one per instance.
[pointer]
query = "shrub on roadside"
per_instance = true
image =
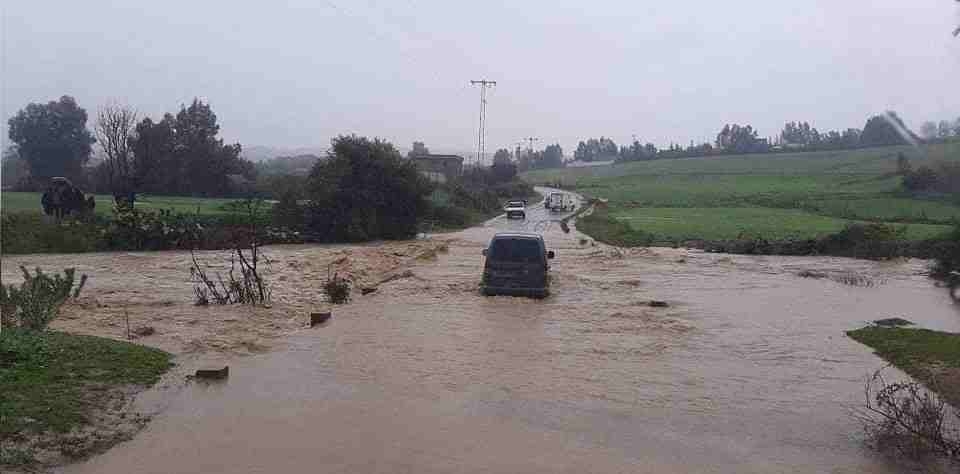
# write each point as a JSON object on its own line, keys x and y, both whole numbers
{"x": 33, "y": 233}
{"x": 36, "y": 302}
{"x": 137, "y": 229}
{"x": 337, "y": 289}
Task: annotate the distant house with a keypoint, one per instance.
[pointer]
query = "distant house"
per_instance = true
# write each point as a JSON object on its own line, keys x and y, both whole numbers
{"x": 439, "y": 168}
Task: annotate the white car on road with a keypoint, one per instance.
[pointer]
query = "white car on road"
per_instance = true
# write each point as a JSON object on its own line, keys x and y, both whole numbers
{"x": 516, "y": 209}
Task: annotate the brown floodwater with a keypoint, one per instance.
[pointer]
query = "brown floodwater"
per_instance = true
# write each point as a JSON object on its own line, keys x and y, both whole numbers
{"x": 747, "y": 370}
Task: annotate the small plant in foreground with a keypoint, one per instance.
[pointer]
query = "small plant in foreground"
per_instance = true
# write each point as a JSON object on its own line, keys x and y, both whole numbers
{"x": 38, "y": 299}
{"x": 909, "y": 419}
{"x": 250, "y": 287}
{"x": 337, "y": 289}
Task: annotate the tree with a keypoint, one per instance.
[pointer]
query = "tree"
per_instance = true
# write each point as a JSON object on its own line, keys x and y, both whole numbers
{"x": 365, "y": 190}
{"x": 504, "y": 169}
{"x": 928, "y": 130}
{"x": 594, "y": 149}
{"x": 740, "y": 139}
{"x": 944, "y": 130}
{"x": 183, "y": 155}
{"x": 502, "y": 157}
{"x": 851, "y": 137}
{"x": 418, "y": 149}
{"x": 553, "y": 156}
{"x": 885, "y": 130}
{"x": 52, "y": 138}
{"x": 637, "y": 152}
{"x": 114, "y": 131}
{"x": 207, "y": 162}
{"x": 15, "y": 172}
{"x": 153, "y": 149}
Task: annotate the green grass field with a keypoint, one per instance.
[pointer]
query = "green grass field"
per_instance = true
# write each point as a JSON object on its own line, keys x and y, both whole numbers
{"x": 776, "y": 196}
{"x": 54, "y": 382}
{"x": 20, "y": 202}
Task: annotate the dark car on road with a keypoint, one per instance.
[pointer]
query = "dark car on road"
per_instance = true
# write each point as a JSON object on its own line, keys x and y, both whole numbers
{"x": 516, "y": 264}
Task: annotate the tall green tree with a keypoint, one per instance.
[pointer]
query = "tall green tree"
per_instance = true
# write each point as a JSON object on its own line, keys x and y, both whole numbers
{"x": 885, "y": 130}
{"x": 596, "y": 149}
{"x": 153, "y": 147}
{"x": 418, "y": 149}
{"x": 504, "y": 169}
{"x": 740, "y": 139}
{"x": 52, "y": 138}
{"x": 208, "y": 162}
{"x": 365, "y": 190}
{"x": 553, "y": 156}
{"x": 186, "y": 156}
{"x": 944, "y": 129}
{"x": 15, "y": 172}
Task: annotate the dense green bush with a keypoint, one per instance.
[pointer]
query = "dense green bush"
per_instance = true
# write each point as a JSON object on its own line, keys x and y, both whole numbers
{"x": 136, "y": 229}
{"x": 947, "y": 266}
{"x": 37, "y": 300}
{"x": 366, "y": 190}
{"x": 33, "y": 233}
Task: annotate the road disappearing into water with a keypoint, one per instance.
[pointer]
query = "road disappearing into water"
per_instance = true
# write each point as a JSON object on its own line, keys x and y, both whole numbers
{"x": 747, "y": 369}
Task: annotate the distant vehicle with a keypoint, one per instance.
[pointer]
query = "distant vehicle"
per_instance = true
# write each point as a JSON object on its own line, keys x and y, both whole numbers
{"x": 516, "y": 209}
{"x": 516, "y": 264}
{"x": 559, "y": 202}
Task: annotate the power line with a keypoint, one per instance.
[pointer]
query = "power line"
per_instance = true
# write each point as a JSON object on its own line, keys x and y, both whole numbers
{"x": 484, "y": 84}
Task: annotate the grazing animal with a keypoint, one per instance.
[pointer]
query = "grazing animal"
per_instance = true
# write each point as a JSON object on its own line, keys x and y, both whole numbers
{"x": 62, "y": 198}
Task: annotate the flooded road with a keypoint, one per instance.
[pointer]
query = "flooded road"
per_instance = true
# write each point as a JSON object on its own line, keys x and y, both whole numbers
{"x": 746, "y": 371}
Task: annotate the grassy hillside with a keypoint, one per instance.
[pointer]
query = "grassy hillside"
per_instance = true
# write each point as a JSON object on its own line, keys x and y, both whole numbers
{"x": 776, "y": 196}
{"x": 30, "y": 202}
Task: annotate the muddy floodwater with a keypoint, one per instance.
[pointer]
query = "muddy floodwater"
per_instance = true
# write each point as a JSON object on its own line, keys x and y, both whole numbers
{"x": 747, "y": 369}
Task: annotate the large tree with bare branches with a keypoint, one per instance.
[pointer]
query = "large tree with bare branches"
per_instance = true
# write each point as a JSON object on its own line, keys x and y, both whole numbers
{"x": 115, "y": 128}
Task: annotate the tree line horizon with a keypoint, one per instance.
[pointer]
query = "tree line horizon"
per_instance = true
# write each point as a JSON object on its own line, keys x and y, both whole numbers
{"x": 182, "y": 154}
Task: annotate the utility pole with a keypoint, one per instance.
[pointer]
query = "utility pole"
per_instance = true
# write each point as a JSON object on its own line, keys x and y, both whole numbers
{"x": 484, "y": 84}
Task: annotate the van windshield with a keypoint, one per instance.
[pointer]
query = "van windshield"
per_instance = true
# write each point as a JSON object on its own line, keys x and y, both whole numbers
{"x": 515, "y": 250}
{"x": 515, "y": 204}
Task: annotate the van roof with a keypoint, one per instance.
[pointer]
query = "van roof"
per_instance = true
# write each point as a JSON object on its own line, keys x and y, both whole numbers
{"x": 517, "y": 235}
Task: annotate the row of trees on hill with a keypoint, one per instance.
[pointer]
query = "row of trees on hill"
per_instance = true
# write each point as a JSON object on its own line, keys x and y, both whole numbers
{"x": 178, "y": 154}
{"x": 596, "y": 149}
{"x": 880, "y": 130}
{"x": 942, "y": 130}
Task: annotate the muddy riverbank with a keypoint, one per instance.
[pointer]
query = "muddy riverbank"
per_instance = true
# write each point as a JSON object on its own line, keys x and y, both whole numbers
{"x": 746, "y": 370}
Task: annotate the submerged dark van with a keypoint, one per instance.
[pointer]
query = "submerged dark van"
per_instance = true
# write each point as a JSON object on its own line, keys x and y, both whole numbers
{"x": 516, "y": 264}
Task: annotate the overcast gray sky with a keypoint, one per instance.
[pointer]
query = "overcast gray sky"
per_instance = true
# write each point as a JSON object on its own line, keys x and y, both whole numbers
{"x": 296, "y": 73}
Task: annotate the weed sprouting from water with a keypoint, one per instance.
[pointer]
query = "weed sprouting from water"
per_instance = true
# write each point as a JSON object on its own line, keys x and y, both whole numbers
{"x": 855, "y": 279}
